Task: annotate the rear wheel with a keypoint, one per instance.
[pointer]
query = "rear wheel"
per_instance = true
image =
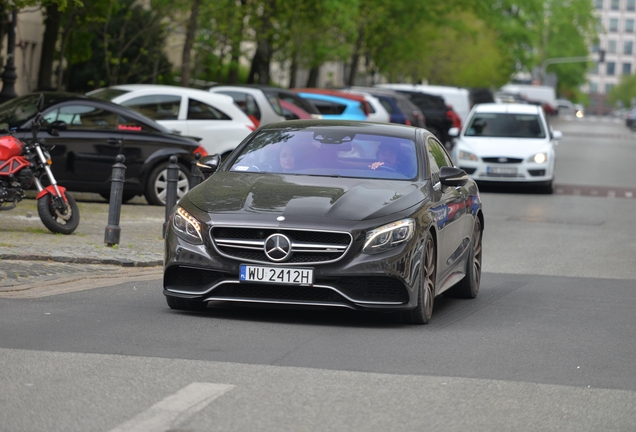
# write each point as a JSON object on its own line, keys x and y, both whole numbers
{"x": 185, "y": 304}
{"x": 157, "y": 184}
{"x": 469, "y": 286}
{"x": 426, "y": 290}
{"x": 58, "y": 215}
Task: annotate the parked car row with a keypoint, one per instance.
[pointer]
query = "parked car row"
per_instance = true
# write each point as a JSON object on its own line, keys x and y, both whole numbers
{"x": 148, "y": 123}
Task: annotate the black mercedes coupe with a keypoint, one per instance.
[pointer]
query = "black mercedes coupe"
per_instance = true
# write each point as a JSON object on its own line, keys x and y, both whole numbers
{"x": 359, "y": 215}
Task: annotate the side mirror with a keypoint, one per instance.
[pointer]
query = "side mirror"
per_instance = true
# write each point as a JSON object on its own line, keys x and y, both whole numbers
{"x": 209, "y": 164}
{"x": 556, "y": 135}
{"x": 453, "y": 132}
{"x": 451, "y": 176}
{"x": 56, "y": 127}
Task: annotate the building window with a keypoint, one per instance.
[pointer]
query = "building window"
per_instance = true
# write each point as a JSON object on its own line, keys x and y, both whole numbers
{"x": 595, "y": 48}
{"x": 627, "y": 68}
{"x": 631, "y": 5}
{"x": 615, "y": 4}
{"x": 610, "y": 68}
{"x": 594, "y": 69}
{"x": 611, "y": 46}
{"x": 629, "y": 26}
{"x": 628, "y": 47}
{"x": 593, "y": 87}
{"x": 613, "y": 24}
{"x": 598, "y": 4}
{"x": 608, "y": 88}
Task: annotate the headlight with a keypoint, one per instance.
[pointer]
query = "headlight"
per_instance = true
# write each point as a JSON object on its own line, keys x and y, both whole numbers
{"x": 538, "y": 158}
{"x": 187, "y": 225}
{"x": 389, "y": 236}
{"x": 467, "y": 156}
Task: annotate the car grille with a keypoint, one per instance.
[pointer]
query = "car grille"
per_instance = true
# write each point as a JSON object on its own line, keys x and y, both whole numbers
{"x": 307, "y": 246}
{"x": 276, "y": 292}
{"x": 502, "y": 160}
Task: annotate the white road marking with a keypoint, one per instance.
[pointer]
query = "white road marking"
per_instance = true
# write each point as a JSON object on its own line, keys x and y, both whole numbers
{"x": 629, "y": 194}
{"x": 174, "y": 409}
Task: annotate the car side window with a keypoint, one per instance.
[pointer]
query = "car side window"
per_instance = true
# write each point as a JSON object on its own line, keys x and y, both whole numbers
{"x": 201, "y": 111}
{"x": 156, "y": 107}
{"x": 83, "y": 117}
{"x": 246, "y": 103}
{"x": 326, "y": 107}
{"x": 438, "y": 158}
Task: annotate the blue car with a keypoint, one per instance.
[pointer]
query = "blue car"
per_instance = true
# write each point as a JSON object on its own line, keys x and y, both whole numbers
{"x": 335, "y": 108}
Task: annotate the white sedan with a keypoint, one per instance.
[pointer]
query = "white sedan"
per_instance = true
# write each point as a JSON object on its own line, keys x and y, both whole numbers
{"x": 214, "y": 118}
{"x": 507, "y": 143}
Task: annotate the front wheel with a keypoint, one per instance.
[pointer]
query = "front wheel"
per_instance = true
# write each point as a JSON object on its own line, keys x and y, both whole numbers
{"x": 426, "y": 289}
{"x": 57, "y": 215}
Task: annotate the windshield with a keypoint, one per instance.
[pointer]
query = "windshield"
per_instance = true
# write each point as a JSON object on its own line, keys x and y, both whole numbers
{"x": 506, "y": 125}
{"x": 17, "y": 111}
{"x": 108, "y": 93}
{"x": 328, "y": 152}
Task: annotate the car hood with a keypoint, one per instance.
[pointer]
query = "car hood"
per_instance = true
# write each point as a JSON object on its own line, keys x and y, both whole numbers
{"x": 511, "y": 147}
{"x": 305, "y": 196}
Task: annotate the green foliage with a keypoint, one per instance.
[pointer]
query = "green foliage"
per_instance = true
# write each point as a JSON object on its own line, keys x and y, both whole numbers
{"x": 624, "y": 92}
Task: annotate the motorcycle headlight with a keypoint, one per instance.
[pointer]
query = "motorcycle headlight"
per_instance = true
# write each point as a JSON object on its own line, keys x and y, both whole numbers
{"x": 389, "y": 236}
{"x": 467, "y": 156}
{"x": 187, "y": 225}
{"x": 538, "y": 158}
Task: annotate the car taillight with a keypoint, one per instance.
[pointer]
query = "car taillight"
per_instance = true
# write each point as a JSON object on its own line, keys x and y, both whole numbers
{"x": 452, "y": 116}
{"x": 407, "y": 122}
{"x": 251, "y": 127}
{"x": 201, "y": 151}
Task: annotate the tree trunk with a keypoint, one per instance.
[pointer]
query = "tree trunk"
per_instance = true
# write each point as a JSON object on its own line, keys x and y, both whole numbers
{"x": 189, "y": 42}
{"x": 293, "y": 70}
{"x": 312, "y": 80}
{"x": 237, "y": 38}
{"x": 47, "y": 56}
{"x": 355, "y": 59}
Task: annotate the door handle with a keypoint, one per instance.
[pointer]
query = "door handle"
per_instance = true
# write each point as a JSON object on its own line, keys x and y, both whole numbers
{"x": 114, "y": 141}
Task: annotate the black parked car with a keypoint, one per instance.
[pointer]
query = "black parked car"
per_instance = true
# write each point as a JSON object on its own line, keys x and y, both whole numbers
{"x": 91, "y": 133}
{"x": 436, "y": 112}
{"x": 330, "y": 214}
{"x": 399, "y": 106}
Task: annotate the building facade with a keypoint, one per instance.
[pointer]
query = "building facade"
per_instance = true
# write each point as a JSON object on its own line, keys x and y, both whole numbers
{"x": 617, "y": 37}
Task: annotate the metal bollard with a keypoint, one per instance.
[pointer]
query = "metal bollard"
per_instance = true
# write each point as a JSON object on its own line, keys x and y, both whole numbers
{"x": 195, "y": 173}
{"x": 171, "y": 190}
{"x": 111, "y": 235}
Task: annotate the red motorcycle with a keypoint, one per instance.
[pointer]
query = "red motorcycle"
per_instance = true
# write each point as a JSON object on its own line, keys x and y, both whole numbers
{"x": 21, "y": 165}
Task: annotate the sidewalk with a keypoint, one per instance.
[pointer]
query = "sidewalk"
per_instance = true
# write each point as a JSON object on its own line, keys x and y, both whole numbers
{"x": 30, "y": 253}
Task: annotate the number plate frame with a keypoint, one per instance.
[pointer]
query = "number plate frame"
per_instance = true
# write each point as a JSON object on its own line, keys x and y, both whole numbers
{"x": 504, "y": 171}
{"x": 295, "y": 276}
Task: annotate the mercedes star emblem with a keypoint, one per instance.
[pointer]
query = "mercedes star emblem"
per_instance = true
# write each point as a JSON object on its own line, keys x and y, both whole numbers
{"x": 277, "y": 247}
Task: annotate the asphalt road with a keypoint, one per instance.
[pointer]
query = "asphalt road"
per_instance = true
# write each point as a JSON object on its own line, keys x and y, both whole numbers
{"x": 547, "y": 345}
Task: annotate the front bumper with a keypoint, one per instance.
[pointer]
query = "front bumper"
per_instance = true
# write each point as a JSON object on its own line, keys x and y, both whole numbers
{"x": 358, "y": 281}
{"x": 521, "y": 172}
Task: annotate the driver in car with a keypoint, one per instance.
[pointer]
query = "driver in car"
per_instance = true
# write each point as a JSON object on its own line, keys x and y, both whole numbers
{"x": 387, "y": 157}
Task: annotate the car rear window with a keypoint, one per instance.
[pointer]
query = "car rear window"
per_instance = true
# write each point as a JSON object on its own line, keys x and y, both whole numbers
{"x": 328, "y": 108}
{"x": 108, "y": 93}
{"x": 505, "y": 125}
{"x": 330, "y": 153}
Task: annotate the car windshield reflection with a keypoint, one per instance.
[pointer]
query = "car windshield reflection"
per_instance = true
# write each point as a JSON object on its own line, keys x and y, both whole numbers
{"x": 505, "y": 125}
{"x": 313, "y": 152}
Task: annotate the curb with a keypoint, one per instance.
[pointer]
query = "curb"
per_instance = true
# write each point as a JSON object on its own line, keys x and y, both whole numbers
{"x": 82, "y": 260}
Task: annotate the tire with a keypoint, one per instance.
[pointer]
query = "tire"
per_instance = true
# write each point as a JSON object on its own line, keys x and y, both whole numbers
{"x": 547, "y": 189}
{"x": 468, "y": 287}
{"x": 426, "y": 290}
{"x": 125, "y": 197}
{"x": 177, "y": 303}
{"x": 158, "y": 181}
{"x": 59, "y": 222}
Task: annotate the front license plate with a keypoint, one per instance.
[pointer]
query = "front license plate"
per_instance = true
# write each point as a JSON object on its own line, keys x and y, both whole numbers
{"x": 276, "y": 275}
{"x": 502, "y": 170}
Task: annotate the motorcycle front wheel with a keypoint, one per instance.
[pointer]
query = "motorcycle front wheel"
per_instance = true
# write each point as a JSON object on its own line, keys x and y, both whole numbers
{"x": 62, "y": 219}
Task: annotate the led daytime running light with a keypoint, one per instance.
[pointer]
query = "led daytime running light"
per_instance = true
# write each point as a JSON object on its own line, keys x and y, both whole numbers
{"x": 187, "y": 224}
